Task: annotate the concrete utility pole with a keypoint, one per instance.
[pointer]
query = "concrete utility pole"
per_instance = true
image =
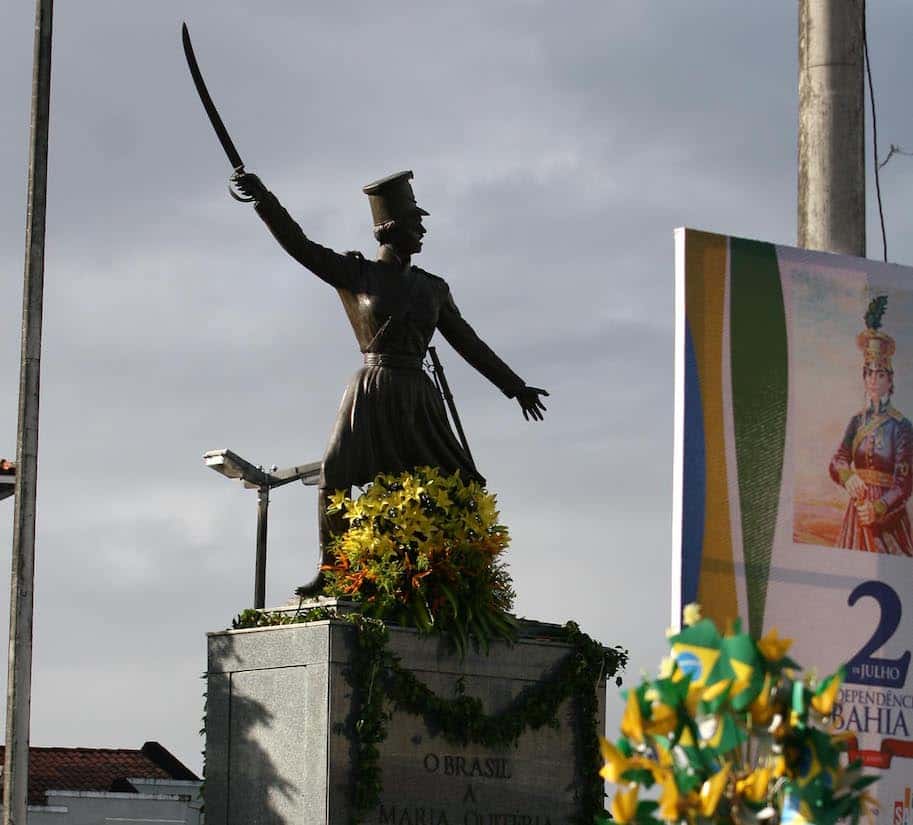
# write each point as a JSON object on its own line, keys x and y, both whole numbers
{"x": 831, "y": 126}
{"x": 19, "y": 679}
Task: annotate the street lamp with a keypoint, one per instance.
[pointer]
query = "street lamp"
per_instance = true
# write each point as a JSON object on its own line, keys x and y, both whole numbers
{"x": 253, "y": 477}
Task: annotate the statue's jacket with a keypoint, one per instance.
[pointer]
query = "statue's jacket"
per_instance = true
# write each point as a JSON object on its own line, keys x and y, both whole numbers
{"x": 391, "y": 418}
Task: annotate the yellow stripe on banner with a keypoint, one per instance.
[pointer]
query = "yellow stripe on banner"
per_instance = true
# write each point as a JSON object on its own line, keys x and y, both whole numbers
{"x": 705, "y": 293}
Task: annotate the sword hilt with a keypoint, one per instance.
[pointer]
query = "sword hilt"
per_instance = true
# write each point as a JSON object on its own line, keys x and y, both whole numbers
{"x": 231, "y": 191}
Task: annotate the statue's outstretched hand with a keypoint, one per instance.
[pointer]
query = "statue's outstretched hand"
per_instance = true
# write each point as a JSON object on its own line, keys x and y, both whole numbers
{"x": 249, "y": 185}
{"x": 530, "y": 403}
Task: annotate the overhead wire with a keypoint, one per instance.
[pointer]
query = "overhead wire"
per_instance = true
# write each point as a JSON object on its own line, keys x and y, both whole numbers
{"x": 894, "y": 149}
{"x": 868, "y": 70}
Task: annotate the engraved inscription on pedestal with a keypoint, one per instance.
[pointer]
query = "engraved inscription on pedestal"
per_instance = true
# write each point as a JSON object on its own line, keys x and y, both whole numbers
{"x": 291, "y": 760}
{"x": 428, "y": 781}
{"x": 476, "y": 790}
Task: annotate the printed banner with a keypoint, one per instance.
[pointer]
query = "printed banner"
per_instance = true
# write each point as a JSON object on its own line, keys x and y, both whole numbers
{"x": 792, "y": 471}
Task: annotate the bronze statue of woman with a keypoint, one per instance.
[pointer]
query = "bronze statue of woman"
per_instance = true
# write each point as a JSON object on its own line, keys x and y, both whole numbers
{"x": 391, "y": 418}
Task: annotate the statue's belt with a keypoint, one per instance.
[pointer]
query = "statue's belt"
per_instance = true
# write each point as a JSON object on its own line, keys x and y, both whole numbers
{"x": 400, "y": 362}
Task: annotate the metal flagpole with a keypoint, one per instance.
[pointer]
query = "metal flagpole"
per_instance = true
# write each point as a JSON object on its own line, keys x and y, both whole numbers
{"x": 19, "y": 680}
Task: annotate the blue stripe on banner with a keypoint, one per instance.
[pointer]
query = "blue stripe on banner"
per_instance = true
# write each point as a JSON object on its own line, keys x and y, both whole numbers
{"x": 694, "y": 478}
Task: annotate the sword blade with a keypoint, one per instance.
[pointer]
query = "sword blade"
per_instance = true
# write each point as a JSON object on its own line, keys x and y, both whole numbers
{"x": 214, "y": 118}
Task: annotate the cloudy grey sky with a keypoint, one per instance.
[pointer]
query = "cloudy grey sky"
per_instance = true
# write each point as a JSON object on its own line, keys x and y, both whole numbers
{"x": 556, "y": 145}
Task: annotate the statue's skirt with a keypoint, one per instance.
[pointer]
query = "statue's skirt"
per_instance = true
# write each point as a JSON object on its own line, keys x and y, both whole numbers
{"x": 391, "y": 419}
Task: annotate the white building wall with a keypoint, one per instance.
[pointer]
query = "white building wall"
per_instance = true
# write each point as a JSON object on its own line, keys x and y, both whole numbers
{"x": 101, "y": 808}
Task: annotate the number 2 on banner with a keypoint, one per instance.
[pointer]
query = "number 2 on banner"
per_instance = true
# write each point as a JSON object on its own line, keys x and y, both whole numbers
{"x": 864, "y": 668}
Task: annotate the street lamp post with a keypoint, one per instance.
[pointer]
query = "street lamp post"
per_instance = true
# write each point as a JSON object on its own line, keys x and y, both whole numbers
{"x": 231, "y": 465}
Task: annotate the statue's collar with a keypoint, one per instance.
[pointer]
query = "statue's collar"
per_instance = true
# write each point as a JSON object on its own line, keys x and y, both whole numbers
{"x": 388, "y": 255}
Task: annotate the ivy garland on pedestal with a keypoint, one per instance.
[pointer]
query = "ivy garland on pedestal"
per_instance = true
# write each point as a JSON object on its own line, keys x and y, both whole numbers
{"x": 378, "y": 678}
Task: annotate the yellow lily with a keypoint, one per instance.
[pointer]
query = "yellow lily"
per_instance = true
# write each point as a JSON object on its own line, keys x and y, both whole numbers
{"x": 624, "y": 805}
{"x": 412, "y": 490}
{"x": 772, "y": 647}
{"x": 712, "y": 790}
{"x": 337, "y": 499}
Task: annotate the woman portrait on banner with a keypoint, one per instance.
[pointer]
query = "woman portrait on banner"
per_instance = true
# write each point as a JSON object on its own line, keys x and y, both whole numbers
{"x": 873, "y": 460}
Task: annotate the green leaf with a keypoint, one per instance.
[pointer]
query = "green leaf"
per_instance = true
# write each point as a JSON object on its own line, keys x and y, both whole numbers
{"x": 422, "y": 616}
{"x": 448, "y": 594}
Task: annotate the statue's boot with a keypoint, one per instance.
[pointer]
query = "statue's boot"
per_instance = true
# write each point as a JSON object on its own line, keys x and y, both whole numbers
{"x": 329, "y": 526}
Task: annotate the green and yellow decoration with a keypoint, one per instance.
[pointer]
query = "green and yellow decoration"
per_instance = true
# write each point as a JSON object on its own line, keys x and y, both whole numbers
{"x": 426, "y": 550}
{"x": 729, "y": 732}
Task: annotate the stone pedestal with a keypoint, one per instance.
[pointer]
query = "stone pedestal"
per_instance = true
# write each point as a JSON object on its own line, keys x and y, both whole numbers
{"x": 279, "y": 732}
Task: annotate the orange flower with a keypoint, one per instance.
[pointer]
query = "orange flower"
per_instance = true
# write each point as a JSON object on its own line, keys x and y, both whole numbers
{"x": 417, "y": 579}
{"x": 355, "y": 582}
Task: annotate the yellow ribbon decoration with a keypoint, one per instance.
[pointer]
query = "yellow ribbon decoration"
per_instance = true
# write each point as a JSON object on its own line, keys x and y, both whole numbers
{"x": 712, "y": 790}
{"x": 624, "y": 805}
{"x": 772, "y": 647}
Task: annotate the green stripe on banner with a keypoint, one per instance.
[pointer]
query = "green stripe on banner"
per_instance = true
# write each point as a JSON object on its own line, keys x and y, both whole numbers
{"x": 759, "y": 389}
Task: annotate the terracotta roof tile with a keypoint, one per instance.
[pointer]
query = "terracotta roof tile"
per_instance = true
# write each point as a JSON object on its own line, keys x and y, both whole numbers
{"x": 97, "y": 769}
